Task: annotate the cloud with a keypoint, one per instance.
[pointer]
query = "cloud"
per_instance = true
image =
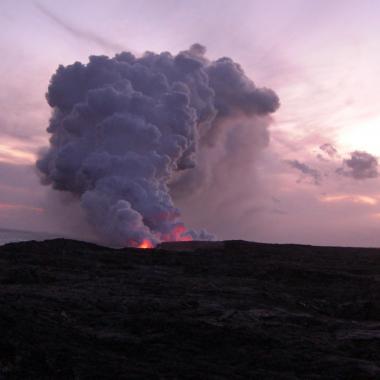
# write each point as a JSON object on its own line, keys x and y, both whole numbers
{"x": 329, "y": 149}
{"x": 10, "y": 154}
{"x": 306, "y": 170}
{"x": 361, "y": 165}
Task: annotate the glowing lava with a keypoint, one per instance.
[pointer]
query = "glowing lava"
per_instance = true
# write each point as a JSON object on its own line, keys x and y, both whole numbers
{"x": 178, "y": 233}
{"x": 145, "y": 244}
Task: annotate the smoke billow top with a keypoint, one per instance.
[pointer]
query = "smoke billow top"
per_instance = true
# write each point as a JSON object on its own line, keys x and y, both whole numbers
{"x": 123, "y": 128}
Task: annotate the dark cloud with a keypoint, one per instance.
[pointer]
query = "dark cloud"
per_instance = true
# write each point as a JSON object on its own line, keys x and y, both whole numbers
{"x": 76, "y": 32}
{"x": 361, "y": 165}
{"x": 123, "y": 129}
{"x": 329, "y": 149}
{"x": 306, "y": 170}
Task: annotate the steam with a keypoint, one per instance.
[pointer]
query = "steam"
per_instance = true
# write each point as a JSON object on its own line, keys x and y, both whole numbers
{"x": 127, "y": 132}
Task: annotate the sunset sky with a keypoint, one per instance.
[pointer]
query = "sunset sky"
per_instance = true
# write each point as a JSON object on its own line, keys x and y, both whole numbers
{"x": 316, "y": 182}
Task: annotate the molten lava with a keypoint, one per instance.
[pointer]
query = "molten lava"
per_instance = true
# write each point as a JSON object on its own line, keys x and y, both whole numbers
{"x": 145, "y": 244}
{"x": 178, "y": 233}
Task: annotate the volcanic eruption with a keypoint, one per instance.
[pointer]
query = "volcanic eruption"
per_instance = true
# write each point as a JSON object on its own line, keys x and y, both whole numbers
{"x": 123, "y": 128}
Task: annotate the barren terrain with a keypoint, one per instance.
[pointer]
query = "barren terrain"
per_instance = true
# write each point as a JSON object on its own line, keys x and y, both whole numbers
{"x": 224, "y": 310}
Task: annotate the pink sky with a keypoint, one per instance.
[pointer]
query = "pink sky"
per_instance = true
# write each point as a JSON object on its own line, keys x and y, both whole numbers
{"x": 320, "y": 57}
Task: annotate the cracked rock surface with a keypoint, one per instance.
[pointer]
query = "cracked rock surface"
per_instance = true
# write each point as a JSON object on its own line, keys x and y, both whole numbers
{"x": 223, "y": 310}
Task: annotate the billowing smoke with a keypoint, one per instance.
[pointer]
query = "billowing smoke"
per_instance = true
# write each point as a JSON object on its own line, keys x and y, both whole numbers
{"x": 125, "y": 130}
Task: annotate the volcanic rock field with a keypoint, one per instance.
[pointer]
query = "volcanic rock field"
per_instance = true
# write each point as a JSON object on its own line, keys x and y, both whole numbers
{"x": 222, "y": 310}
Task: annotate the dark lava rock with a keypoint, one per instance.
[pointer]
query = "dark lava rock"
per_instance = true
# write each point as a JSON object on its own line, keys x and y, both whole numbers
{"x": 224, "y": 310}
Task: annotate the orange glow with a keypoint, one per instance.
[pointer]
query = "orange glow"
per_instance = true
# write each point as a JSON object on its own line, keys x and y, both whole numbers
{"x": 145, "y": 244}
{"x": 363, "y": 199}
{"x": 12, "y": 206}
{"x": 179, "y": 233}
{"x": 15, "y": 155}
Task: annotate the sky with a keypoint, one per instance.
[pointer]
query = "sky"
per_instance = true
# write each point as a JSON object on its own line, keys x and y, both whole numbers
{"x": 315, "y": 183}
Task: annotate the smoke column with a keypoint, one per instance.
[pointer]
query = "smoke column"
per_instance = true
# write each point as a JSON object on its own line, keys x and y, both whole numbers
{"x": 127, "y": 131}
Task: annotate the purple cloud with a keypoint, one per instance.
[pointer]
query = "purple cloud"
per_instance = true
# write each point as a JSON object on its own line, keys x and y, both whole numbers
{"x": 306, "y": 170}
{"x": 361, "y": 165}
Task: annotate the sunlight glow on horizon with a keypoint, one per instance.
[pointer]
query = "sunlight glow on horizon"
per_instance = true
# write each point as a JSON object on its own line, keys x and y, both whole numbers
{"x": 10, "y": 154}
{"x": 13, "y": 206}
{"x": 362, "y": 135}
{"x": 362, "y": 199}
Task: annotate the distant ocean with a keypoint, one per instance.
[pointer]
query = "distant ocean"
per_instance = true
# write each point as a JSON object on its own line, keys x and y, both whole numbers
{"x": 9, "y": 236}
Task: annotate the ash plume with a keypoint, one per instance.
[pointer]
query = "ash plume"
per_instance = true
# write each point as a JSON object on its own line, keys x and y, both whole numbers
{"x": 127, "y": 132}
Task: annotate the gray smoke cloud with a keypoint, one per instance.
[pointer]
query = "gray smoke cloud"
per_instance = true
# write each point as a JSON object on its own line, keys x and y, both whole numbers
{"x": 306, "y": 170}
{"x": 361, "y": 165}
{"x": 127, "y": 132}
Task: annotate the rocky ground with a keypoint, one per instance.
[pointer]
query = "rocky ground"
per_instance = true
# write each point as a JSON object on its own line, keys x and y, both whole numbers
{"x": 226, "y": 310}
